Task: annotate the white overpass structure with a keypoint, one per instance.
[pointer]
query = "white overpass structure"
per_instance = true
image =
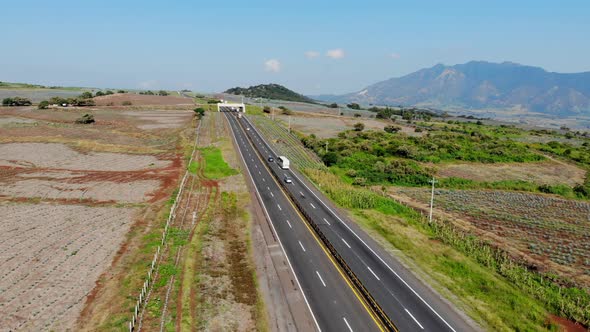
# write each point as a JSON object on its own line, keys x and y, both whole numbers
{"x": 239, "y": 107}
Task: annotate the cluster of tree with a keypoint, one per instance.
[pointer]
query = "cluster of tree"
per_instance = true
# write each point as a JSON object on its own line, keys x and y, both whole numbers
{"x": 407, "y": 114}
{"x": 213, "y": 101}
{"x": 16, "y": 101}
{"x": 354, "y": 106}
{"x": 333, "y": 105}
{"x": 82, "y": 100}
{"x": 360, "y": 150}
{"x": 199, "y": 112}
{"x": 106, "y": 93}
{"x": 151, "y": 93}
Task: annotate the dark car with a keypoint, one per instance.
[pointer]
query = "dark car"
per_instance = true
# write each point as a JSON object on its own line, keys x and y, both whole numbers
{"x": 271, "y": 159}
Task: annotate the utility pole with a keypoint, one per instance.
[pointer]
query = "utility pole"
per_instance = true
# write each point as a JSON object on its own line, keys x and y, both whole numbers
{"x": 433, "y": 181}
{"x": 289, "y": 123}
{"x": 326, "y": 146}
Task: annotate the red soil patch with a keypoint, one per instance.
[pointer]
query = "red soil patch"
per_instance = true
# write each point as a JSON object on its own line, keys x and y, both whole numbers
{"x": 136, "y": 99}
{"x": 567, "y": 325}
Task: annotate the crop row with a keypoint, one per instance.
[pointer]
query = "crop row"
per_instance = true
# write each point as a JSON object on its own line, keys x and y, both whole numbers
{"x": 286, "y": 143}
{"x": 547, "y": 227}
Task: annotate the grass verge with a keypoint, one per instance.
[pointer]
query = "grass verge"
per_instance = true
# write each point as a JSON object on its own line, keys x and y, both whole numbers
{"x": 489, "y": 286}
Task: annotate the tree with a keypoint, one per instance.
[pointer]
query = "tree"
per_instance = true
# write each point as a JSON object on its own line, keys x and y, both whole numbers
{"x": 108, "y": 92}
{"x": 16, "y": 101}
{"x": 330, "y": 158}
{"x": 357, "y": 115}
{"x": 354, "y": 106}
{"x": 85, "y": 119}
{"x": 333, "y": 105}
{"x": 86, "y": 95}
{"x": 162, "y": 93}
{"x": 392, "y": 129}
{"x": 121, "y": 91}
{"x": 99, "y": 93}
{"x": 57, "y": 101}
{"x": 266, "y": 109}
{"x": 287, "y": 111}
{"x": 359, "y": 126}
{"x": 199, "y": 112}
{"x": 43, "y": 105}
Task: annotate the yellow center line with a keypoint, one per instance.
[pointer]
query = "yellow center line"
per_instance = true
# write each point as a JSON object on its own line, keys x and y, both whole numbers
{"x": 320, "y": 243}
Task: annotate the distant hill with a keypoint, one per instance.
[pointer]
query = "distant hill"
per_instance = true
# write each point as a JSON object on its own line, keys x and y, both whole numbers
{"x": 481, "y": 85}
{"x": 270, "y": 91}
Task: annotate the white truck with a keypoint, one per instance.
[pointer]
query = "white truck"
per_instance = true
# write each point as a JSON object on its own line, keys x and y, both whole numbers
{"x": 283, "y": 162}
{"x": 239, "y": 115}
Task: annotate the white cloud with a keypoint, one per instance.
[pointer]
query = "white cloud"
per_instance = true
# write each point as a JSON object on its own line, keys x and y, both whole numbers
{"x": 312, "y": 54}
{"x": 394, "y": 56}
{"x": 272, "y": 65}
{"x": 335, "y": 54}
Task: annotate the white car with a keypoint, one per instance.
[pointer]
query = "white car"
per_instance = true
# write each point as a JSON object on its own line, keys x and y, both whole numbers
{"x": 288, "y": 179}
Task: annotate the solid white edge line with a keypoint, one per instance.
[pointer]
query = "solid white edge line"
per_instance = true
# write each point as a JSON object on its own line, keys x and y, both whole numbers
{"x": 275, "y": 231}
{"x": 322, "y": 280}
{"x": 414, "y": 318}
{"x": 345, "y": 321}
{"x": 366, "y": 245}
{"x": 302, "y": 247}
{"x": 373, "y": 273}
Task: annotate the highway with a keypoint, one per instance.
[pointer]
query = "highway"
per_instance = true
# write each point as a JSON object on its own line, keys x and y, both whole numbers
{"x": 410, "y": 304}
{"x": 331, "y": 299}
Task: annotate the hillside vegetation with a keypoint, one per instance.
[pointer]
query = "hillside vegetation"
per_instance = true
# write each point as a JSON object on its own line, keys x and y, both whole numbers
{"x": 384, "y": 158}
{"x": 270, "y": 91}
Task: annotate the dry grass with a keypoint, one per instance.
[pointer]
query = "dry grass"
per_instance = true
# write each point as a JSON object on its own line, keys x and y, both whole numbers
{"x": 549, "y": 172}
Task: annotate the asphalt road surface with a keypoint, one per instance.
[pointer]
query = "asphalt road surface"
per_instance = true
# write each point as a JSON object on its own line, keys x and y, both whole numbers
{"x": 410, "y": 304}
{"x": 332, "y": 301}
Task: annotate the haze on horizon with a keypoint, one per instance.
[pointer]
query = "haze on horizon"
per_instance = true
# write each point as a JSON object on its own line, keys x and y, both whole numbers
{"x": 310, "y": 47}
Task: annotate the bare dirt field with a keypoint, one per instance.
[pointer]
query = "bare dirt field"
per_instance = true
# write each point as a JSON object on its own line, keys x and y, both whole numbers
{"x": 325, "y": 126}
{"x": 51, "y": 257}
{"x": 137, "y": 99}
{"x": 71, "y": 199}
{"x": 549, "y": 172}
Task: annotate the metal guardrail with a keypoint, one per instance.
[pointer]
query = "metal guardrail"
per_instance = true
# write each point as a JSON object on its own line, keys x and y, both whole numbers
{"x": 375, "y": 307}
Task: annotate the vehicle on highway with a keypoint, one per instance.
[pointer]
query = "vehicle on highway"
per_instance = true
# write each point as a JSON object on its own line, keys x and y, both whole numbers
{"x": 283, "y": 162}
{"x": 239, "y": 115}
{"x": 271, "y": 159}
{"x": 288, "y": 179}
{"x": 247, "y": 128}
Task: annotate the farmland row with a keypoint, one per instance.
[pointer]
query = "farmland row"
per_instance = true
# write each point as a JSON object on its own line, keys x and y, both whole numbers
{"x": 544, "y": 227}
{"x": 286, "y": 143}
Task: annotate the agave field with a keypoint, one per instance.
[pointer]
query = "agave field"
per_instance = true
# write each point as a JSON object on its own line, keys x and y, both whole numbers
{"x": 545, "y": 228}
{"x": 286, "y": 143}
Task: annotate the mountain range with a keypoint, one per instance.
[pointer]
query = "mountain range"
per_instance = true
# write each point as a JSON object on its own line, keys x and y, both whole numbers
{"x": 480, "y": 85}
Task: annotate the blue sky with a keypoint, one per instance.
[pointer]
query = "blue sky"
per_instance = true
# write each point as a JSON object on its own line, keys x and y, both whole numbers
{"x": 312, "y": 47}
